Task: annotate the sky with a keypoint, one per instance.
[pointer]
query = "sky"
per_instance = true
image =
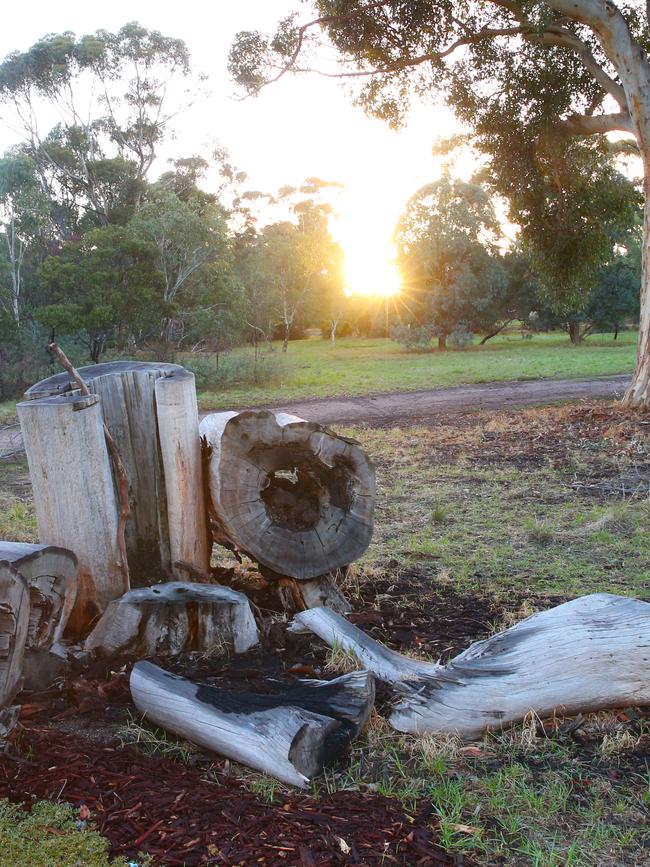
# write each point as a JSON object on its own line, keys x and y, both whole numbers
{"x": 300, "y": 127}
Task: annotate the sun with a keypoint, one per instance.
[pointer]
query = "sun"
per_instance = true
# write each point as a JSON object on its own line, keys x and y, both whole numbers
{"x": 370, "y": 271}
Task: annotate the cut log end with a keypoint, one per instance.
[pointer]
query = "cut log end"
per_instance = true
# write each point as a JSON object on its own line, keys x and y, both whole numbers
{"x": 294, "y": 496}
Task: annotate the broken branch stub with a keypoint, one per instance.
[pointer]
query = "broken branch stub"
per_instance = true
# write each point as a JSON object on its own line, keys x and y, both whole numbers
{"x": 151, "y": 412}
{"x": 585, "y": 655}
{"x": 170, "y": 618}
{"x": 290, "y": 735}
{"x": 292, "y": 495}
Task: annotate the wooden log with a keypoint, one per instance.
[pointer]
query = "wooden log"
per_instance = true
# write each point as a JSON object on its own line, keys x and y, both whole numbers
{"x": 170, "y": 618}
{"x": 290, "y": 736}
{"x": 74, "y": 496}
{"x": 51, "y": 575}
{"x": 14, "y": 623}
{"x": 292, "y": 495}
{"x": 150, "y": 410}
{"x": 585, "y": 655}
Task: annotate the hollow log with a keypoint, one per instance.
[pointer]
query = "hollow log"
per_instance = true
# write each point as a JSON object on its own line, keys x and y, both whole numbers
{"x": 76, "y": 506}
{"x": 14, "y": 624}
{"x": 585, "y": 655}
{"x": 170, "y": 618}
{"x": 292, "y": 495}
{"x": 150, "y": 411}
{"x": 291, "y": 735}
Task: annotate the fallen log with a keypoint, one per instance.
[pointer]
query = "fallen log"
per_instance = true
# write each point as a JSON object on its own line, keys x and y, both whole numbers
{"x": 292, "y": 495}
{"x": 291, "y": 735}
{"x": 170, "y": 618}
{"x": 14, "y": 623}
{"x": 151, "y": 413}
{"x": 51, "y": 576}
{"x": 585, "y": 655}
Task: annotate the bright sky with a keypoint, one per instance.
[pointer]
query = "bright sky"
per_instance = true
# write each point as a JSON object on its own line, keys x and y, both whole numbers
{"x": 296, "y": 128}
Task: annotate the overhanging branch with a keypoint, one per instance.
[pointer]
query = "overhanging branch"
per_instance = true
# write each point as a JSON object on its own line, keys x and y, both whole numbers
{"x": 582, "y": 124}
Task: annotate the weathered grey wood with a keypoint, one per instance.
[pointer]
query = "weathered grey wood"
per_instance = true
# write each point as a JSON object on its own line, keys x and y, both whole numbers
{"x": 290, "y": 736}
{"x": 321, "y": 591}
{"x": 150, "y": 411}
{"x": 169, "y": 618}
{"x": 51, "y": 575}
{"x": 14, "y": 623}
{"x": 585, "y": 655}
{"x": 178, "y": 430}
{"x": 291, "y": 494}
{"x": 74, "y": 496}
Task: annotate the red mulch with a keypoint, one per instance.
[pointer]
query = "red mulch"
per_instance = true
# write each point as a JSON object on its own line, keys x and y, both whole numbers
{"x": 174, "y": 814}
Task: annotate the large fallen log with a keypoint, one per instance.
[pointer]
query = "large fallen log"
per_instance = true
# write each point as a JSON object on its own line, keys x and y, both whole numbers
{"x": 292, "y": 495}
{"x": 170, "y": 618}
{"x": 151, "y": 412}
{"x": 585, "y": 655}
{"x": 291, "y": 735}
{"x": 14, "y": 624}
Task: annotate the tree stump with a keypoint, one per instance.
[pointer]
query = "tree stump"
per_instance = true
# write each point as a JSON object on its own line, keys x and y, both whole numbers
{"x": 74, "y": 496}
{"x": 585, "y": 655}
{"x": 292, "y": 495}
{"x": 151, "y": 412}
{"x": 170, "y": 618}
{"x": 290, "y": 735}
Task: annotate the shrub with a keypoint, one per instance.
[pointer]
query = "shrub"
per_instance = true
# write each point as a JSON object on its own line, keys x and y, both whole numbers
{"x": 461, "y": 337}
{"x": 413, "y": 338}
{"x": 221, "y": 372}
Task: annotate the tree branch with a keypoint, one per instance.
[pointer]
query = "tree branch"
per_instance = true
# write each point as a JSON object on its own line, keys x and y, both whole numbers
{"x": 584, "y": 124}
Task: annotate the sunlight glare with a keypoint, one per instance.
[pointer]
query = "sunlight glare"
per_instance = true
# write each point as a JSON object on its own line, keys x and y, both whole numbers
{"x": 369, "y": 273}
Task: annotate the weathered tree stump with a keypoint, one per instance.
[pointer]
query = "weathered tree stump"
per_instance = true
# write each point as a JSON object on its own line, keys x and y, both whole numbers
{"x": 170, "y": 618}
{"x": 290, "y": 735}
{"x": 585, "y": 655}
{"x": 150, "y": 411}
{"x": 74, "y": 496}
{"x": 292, "y": 495}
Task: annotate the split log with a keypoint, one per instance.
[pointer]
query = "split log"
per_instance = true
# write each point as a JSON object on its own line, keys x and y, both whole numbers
{"x": 14, "y": 623}
{"x": 150, "y": 411}
{"x": 170, "y": 618}
{"x": 291, "y": 735}
{"x": 51, "y": 576}
{"x": 585, "y": 655}
{"x": 292, "y": 495}
{"x": 76, "y": 506}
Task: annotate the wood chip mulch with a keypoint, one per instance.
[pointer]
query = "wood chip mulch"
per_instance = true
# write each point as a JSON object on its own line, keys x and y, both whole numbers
{"x": 171, "y": 812}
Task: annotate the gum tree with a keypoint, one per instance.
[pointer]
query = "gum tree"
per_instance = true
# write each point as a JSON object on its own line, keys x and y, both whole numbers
{"x": 555, "y": 75}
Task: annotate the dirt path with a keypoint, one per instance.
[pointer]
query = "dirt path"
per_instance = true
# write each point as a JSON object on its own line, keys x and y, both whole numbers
{"x": 416, "y": 405}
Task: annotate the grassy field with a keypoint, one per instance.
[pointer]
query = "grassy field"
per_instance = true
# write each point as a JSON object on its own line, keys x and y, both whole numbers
{"x": 482, "y": 520}
{"x": 357, "y": 366}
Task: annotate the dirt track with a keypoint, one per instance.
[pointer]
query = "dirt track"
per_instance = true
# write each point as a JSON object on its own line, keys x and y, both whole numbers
{"x": 415, "y": 405}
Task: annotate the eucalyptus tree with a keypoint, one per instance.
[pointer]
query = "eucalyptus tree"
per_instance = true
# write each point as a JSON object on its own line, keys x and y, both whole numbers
{"x": 103, "y": 99}
{"x": 550, "y": 73}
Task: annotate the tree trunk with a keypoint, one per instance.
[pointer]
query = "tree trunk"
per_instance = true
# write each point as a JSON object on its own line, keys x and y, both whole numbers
{"x": 442, "y": 341}
{"x": 151, "y": 412}
{"x": 285, "y": 341}
{"x": 585, "y": 655}
{"x": 290, "y": 735}
{"x": 574, "y": 333}
{"x": 638, "y": 392}
{"x": 289, "y": 493}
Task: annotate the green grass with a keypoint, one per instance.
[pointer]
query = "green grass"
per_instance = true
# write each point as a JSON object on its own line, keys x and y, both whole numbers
{"x": 358, "y": 366}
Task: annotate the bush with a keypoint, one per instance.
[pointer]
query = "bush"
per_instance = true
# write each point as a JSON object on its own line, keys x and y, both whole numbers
{"x": 461, "y": 337}
{"x": 413, "y": 338}
{"x": 221, "y": 372}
